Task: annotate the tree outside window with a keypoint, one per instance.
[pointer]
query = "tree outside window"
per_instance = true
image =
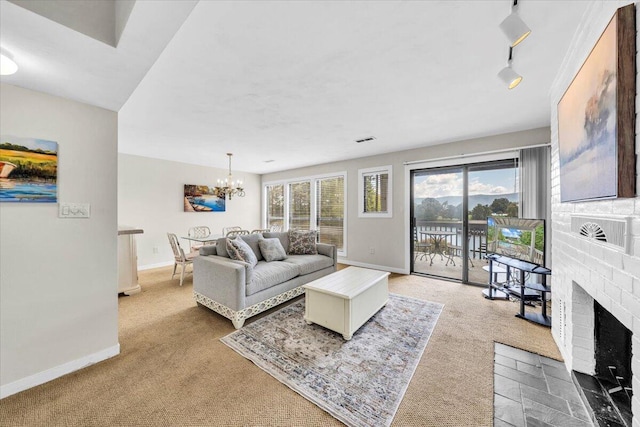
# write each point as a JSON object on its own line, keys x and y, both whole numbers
{"x": 375, "y": 191}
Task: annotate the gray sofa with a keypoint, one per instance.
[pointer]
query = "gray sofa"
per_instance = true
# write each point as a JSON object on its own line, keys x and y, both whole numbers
{"x": 237, "y": 291}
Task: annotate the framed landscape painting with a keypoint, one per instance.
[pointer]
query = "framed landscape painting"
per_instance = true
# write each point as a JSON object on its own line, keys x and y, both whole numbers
{"x": 596, "y": 118}
{"x": 201, "y": 198}
{"x": 28, "y": 170}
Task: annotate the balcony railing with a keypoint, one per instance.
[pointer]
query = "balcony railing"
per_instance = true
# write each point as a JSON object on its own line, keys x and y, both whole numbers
{"x": 477, "y": 233}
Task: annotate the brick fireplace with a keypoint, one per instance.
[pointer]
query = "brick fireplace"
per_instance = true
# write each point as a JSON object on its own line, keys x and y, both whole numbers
{"x": 587, "y": 270}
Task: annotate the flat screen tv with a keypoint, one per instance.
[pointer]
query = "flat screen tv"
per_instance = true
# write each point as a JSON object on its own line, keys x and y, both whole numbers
{"x": 518, "y": 238}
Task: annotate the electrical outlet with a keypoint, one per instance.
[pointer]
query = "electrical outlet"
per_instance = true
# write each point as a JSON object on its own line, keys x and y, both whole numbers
{"x": 156, "y": 249}
{"x": 74, "y": 210}
{"x": 372, "y": 251}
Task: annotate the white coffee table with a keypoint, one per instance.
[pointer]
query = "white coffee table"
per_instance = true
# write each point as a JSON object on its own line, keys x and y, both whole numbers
{"x": 343, "y": 301}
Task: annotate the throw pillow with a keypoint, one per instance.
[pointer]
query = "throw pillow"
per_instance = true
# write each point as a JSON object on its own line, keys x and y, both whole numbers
{"x": 302, "y": 242}
{"x": 240, "y": 251}
{"x": 272, "y": 249}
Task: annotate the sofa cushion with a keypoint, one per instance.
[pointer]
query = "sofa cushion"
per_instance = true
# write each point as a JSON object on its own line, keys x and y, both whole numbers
{"x": 221, "y": 247}
{"x": 283, "y": 236}
{"x": 208, "y": 250}
{"x": 302, "y": 242}
{"x": 268, "y": 274}
{"x": 309, "y": 263}
{"x": 252, "y": 240}
{"x": 272, "y": 249}
{"x": 239, "y": 250}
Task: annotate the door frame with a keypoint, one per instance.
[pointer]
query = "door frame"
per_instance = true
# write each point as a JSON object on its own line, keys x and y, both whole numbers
{"x": 461, "y": 161}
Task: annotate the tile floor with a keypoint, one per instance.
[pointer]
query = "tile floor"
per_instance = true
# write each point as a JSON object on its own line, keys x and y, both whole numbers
{"x": 534, "y": 391}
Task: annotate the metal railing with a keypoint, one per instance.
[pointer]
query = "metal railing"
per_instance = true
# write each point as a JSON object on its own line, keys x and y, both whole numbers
{"x": 477, "y": 233}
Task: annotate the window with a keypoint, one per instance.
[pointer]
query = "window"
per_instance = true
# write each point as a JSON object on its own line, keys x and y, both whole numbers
{"x": 300, "y": 206}
{"x": 275, "y": 206}
{"x": 330, "y": 210}
{"x": 316, "y": 203}
{"x": 375, "y": 192}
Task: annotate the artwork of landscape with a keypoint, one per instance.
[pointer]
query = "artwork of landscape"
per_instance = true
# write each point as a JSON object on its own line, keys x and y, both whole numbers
{"x": 587, "y": 129}
{"x": 28, "y": 170}
{"x": 201, "y": 198}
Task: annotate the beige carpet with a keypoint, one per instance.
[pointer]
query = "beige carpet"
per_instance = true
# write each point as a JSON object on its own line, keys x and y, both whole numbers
{"x": 174, "y": 371}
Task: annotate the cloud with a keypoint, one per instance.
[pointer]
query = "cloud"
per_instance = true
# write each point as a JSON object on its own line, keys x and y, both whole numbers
{"x": 450, "y": 184}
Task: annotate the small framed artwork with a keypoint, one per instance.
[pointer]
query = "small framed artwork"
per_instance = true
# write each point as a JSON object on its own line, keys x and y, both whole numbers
{"x": 202, "y": 198}
{"x": 596, "y": 118}
{"x": 28, "y": 170}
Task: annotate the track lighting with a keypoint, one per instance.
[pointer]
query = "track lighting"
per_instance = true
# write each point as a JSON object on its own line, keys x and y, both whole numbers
{"x": 508, "y": 75}
{"x": 514, "y": 27}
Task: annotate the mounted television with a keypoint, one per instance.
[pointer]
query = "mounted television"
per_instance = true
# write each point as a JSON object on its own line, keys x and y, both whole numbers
{"x": 518, "y": 238}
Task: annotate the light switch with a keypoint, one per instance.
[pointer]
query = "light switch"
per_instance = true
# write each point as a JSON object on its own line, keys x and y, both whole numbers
{"x": 74, "y": 210}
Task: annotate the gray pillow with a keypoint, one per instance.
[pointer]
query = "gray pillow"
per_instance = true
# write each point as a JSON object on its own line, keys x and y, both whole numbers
{"x": 240, "y": 251}
{"x": 272, "y": 249}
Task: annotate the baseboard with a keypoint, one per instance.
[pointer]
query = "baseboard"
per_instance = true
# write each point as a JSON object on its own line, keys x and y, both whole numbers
{"x": 372, "y": 266}
{"x": 158, "y": 265}
{"x": 58, "y": 371}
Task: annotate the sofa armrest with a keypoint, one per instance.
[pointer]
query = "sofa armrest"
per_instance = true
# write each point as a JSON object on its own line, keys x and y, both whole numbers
{"x": 328, "y": 250}
{"x": 221, "y": 279}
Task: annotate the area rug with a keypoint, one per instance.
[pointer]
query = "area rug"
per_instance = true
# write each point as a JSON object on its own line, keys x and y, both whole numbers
{"x": 360, "y": 382}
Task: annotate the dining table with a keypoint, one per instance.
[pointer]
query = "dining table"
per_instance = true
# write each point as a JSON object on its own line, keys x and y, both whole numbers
{"x": 204, "y": 240}
{"x": 438, "y": 238}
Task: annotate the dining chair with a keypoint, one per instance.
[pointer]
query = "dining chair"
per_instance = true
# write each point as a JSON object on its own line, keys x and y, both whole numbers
{"x": 179, "y": 256}
{"x": 260, "y": 230}
{"x": 199, "y": 231}
{"x": 234, "y": 233}
{"x": 225, "y": 230}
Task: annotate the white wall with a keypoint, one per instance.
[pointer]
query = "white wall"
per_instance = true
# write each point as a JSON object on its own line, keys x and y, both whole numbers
{"x": 151, "y": 197}
{"x": 607, "y": 275}
{"x": 389, "y": 237}
{"x": 58, "y": 277}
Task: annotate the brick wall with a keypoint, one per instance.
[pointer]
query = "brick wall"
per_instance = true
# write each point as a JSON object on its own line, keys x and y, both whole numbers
{"x": 584, "y": 270}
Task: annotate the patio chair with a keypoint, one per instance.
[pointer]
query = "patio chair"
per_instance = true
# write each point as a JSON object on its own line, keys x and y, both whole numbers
{"x": 275, "y": 228}
{"x": 199, "y": 231}
{"x": 179, "y": 256}
{"x": 453, "y": 251}
{"x": 421, "y": 249}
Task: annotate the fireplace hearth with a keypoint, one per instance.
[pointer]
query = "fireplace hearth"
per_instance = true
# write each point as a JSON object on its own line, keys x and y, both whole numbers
{"x": 608, "y": 393}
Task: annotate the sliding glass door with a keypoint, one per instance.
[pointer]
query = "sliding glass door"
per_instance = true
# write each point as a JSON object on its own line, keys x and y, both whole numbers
{"x": 449, "y": 210}
{"x": 437, "y": 219}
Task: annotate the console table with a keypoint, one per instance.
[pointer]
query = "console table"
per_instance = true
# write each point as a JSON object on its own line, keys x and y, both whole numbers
{"x": 522, "y": 294}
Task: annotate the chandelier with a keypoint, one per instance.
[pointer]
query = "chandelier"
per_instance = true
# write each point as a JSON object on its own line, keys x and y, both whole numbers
{"x": 228, "y": 186}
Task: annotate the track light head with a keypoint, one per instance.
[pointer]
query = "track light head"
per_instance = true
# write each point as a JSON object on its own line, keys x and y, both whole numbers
{"x": 509, "y": 77}
{"x": 514, "y": 27}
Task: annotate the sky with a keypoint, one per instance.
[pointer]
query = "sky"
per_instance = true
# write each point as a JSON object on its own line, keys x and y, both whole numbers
{"x": 32, "y": 143}
{"x": 499, "y": 181}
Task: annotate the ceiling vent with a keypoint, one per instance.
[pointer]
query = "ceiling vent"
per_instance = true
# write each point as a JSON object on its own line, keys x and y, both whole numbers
{"x": 368, "y": 139}
{"x": 610, "y": 232}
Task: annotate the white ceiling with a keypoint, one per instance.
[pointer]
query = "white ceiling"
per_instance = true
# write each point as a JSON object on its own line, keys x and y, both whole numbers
{"x": 298, "y": 82}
